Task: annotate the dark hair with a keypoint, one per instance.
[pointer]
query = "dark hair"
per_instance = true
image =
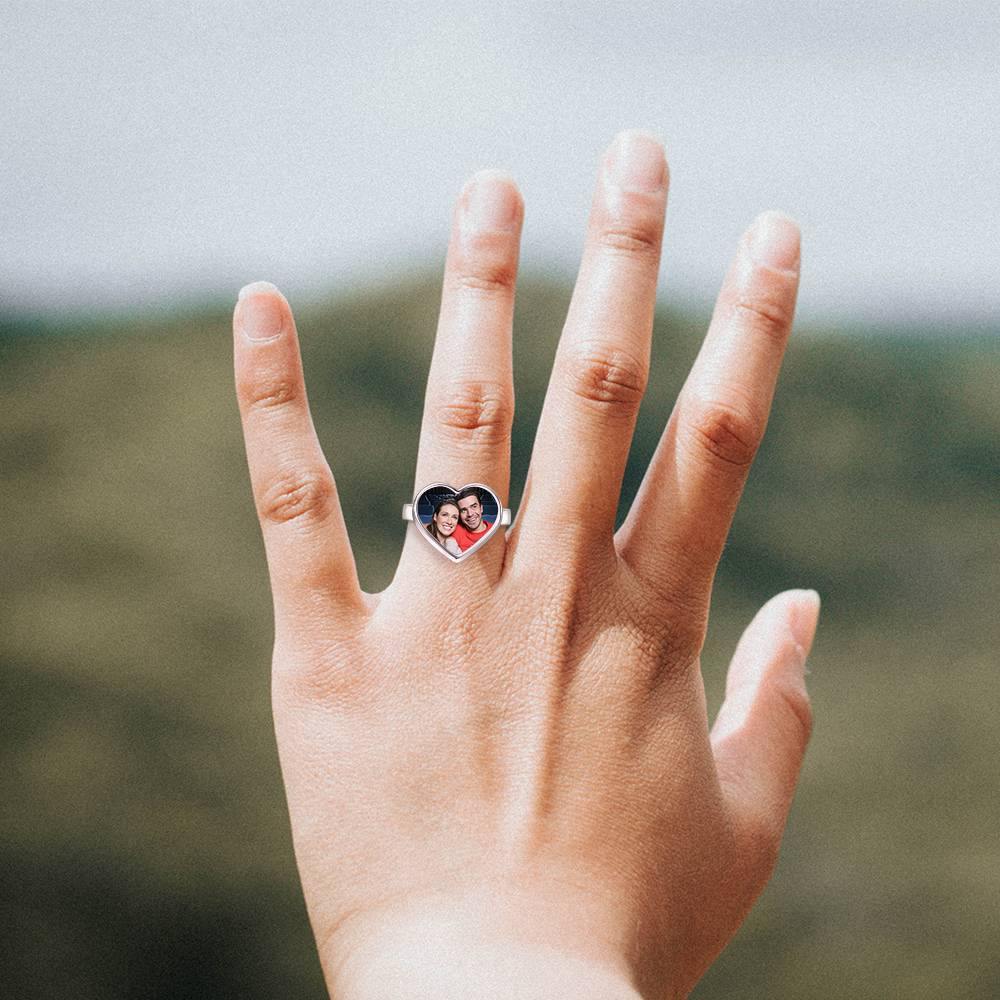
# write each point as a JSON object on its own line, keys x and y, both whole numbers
{"x": 470, "y": 491}
{"x": 434, "y": 513}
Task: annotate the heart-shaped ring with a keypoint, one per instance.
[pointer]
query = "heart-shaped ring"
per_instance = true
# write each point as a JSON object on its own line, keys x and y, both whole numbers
{"x": 456, "y": 522}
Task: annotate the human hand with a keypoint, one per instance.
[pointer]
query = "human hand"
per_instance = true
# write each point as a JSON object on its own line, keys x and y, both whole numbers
{"x": 527, "y": 800}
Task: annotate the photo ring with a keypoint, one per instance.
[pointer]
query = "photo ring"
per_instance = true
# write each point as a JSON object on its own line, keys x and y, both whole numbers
{"x": 457, "y": 522}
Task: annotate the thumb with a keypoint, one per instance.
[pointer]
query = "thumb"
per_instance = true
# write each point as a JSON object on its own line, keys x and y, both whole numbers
{"x": 760, "y": 734}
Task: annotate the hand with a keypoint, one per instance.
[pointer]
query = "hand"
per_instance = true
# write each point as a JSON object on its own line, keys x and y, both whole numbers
{"x": 500, "y": 774}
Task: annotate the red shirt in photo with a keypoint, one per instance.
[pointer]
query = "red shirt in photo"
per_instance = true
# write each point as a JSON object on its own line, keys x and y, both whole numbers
{"x": 465, "y": 538}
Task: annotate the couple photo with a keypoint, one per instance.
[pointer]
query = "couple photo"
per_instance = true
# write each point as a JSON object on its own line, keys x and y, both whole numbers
{"x": 457, "y": 522}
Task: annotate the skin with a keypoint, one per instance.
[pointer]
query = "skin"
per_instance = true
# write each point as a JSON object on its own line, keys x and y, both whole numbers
{"x": 472, "y": 514}
{"x": 532, "y": 803}
{"x": 445, "y": 521}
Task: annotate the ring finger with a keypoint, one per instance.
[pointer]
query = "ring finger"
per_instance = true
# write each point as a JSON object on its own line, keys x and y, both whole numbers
{"x": 469, "y": 404}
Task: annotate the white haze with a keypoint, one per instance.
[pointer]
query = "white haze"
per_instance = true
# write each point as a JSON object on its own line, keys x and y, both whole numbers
{"x": 160, "y": 152}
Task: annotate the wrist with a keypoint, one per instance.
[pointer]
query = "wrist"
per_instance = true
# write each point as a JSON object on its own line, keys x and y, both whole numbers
{"x": 421, "y": 967}
{"x": 452, "y": 950}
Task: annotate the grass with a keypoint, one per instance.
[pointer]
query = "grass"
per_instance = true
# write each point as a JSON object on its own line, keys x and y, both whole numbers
{"x": 145, "y": 846}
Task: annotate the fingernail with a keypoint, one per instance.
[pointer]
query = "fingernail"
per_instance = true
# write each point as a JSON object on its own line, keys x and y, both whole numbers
{"x": 803, "y": 620}
{"x": 774, "y": 241}
{"x": 490, "y": 203}
{"x": 636, "y": 162}
{"x": 262, "y": 316}
{"x": 257, "y": 286}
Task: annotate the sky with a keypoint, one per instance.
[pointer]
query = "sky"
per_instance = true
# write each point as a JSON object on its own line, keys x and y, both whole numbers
{"x": 154, "y": 153}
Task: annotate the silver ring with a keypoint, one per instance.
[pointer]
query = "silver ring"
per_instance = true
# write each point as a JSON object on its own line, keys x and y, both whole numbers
{"x": 457, "y": 535}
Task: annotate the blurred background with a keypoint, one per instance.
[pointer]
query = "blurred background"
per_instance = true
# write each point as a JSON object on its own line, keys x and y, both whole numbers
{"x": 158, "y": 156}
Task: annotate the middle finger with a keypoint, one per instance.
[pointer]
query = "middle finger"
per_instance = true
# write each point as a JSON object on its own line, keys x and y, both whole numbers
{"x": 601, "y": 364}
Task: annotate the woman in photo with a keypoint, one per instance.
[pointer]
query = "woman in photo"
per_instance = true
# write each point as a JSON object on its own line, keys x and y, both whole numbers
{"x": 442, "y": 525}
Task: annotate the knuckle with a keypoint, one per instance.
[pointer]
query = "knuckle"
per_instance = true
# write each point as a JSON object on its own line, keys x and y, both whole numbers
{"x": 303, "y": 497}
{"x": 727, "y": 432}
{"x": 763, "y": 828}
{"x": 559, "y": 605}
{"x": 673, "y": 629}
{"x": 767, "y": 314}
{"x": 487, "y": 276}
{"x": 606, "y": 378}
{"x": 270, "y": 393}
{"x": 669, "y": 646}
{"x": 476, "y": 412}
{"x": 679, "y": 638}
{"x": 798, "y": 708}
{"x": 636, "y": 239}
{"x": 333, "y": 679}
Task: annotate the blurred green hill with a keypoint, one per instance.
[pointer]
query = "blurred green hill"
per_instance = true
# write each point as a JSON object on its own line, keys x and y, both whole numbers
{"x": 144, "y": 844}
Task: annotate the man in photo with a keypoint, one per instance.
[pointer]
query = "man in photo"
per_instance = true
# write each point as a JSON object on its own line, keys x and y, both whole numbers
{"x": 471, "y": 527}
